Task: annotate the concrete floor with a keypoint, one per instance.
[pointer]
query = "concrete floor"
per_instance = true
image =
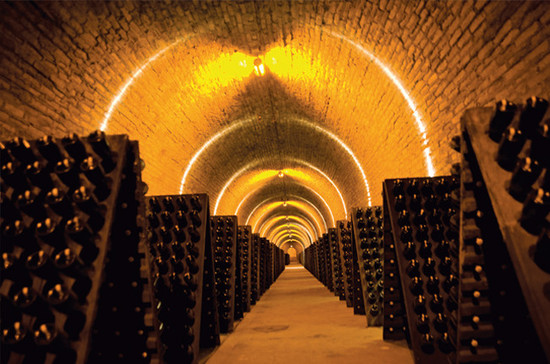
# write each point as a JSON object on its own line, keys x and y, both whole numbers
{"x": 298, "y": 320}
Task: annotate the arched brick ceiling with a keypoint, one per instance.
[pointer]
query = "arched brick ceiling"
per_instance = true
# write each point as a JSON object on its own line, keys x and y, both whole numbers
{"x": 291, "y": 244}
{"x": 348, "y": 84}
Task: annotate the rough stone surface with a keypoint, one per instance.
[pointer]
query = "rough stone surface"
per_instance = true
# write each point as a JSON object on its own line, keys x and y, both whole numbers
{"x": 63, "y": 64}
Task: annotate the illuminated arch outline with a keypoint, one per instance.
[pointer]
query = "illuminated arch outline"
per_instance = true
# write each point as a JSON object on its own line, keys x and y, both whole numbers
{"x": 420, "y": 125}
{"x": 255, "y": 163}
{"x": 295, "y": 217}
{"x": 296, "y": 197}
{"x": 300, "y": 121}
{"x": 272, "y": 229}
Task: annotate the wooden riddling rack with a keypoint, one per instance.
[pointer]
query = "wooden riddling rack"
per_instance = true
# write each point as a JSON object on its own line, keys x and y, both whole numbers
{"x": 368, "y": 232}
{"x": 395, "y": 315}
{"x": 224, "y": 241}
{"x": 503, "y": 239}
{"x": 424, "y": 224}
{"x": 180, "y": 253}
{"x": 318, "y": 261}
{"x": 357, "y": 288}
{"x": 255, "y": 269}
{"x": 126, "y": 327}
{"x": 338, "y": 283}
{"x": 245, "y": 255}
{"x": 328, "y": 259}
{"x": 57, "y": 209}
{"x": 263, "y": 265}
{"x": 343, "y": 232}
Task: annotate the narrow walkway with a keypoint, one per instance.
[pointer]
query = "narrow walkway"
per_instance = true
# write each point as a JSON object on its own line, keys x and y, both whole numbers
{"x": 298, "y": 320}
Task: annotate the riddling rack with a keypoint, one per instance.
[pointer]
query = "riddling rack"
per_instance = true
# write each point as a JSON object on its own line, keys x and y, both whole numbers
{"x": 92, "y": 271}
{"x": 504, "y": 233}
{"x": 343, "y": 232}
{"x": 58, "y": 202}
{"x": 126, "y": 320}
{"x": 224, "y": 240}
{"x": 179, "y": 248}
{"x": 245, "y": 254}
{"x": 424, "y": 226}
{"x": 395, "y": 317}
{"x": 338, "y": 283}
{"x": 368, "y": 233}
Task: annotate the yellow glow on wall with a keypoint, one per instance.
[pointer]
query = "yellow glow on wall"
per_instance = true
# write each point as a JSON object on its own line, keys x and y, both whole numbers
{"x": 278, "y": 233}
{"x": 284, "y": 240}
{"x": 295, "y": 234}
{"x": 233, "y": 67}
{"x": 258, "y": 177}
{"x": 263, "y": 176}
{"x": 292, "y": 62}
{"x": 266, "y": 227}
{"x": 226, "y": 68}
{"x": 281, "y": 174}
{"x": 307, "y": 208}
{"x": 283, "y": 229}
{"x": 245, "y": 122}
{"x": 297, "y": 174}
{"x": 416, "y": 114}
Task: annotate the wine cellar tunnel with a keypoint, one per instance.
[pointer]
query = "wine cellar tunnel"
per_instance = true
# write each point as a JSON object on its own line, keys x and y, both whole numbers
{"x": 287, "y": 114}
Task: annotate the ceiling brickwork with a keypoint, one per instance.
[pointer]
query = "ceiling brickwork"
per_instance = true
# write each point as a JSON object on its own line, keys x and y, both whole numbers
{"x": 354, "y": 91}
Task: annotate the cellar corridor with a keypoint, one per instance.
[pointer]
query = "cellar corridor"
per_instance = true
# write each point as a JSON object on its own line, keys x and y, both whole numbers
{"x": 162, "y": 162}
{"x": 298, "y": 320}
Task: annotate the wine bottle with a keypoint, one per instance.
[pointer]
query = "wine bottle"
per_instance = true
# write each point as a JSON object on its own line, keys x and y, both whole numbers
{"x": 531, "y": 115}
{"x": 17, "y": 338}
{"x": 535, "y": 209}
{"x": 196, "y": 204}
{"x": 58, "y": 201}
{"x": 154, "y": 205}
{"x": 525, "y": 174}
{"x": 49, "y": 150}
{"x": 21, "y": 149}
{"x": 509, "y": 148}
{"x": 51, "y": 233}
{"x": 48, "y": 338}
{"x": 39, "y": 264}
{"x": 195, "y": 218}
{"x": 540, "y": 145}
{"x": 5, "y": 155}
{"x": 14, "y": 177}
{"x": 30, "y": 204}
{"x": 30, "y": 302}
{"x": 85, "y": 201}
{"x": 99, "y": 144}
{"x": 74, "y": 146}
{"x": 425, "y": 249}
{"x": 166, "y": 219}
{"x": 398, "y": 188}
{"x": 66, "y": 261}
{"x": 168, "y": 204}
{"x": 38, "y": 175}
{"x": 66, "y": 171}
{"x": 423, "y": 324}
{"x": 542, "y": 250}
{"x": 501, "y": 119}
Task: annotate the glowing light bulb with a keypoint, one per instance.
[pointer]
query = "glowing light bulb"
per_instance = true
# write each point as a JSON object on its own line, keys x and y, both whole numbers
{"x": 259, "y": 68}
{"x": 284, "y": 203}
{"x": 281, "y": 174}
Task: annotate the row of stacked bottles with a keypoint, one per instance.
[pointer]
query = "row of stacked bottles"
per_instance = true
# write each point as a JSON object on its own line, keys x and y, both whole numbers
{"x": 457, "y": 265}
{"x": 94, "y": 271}
{"x": 348, "y": 260}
